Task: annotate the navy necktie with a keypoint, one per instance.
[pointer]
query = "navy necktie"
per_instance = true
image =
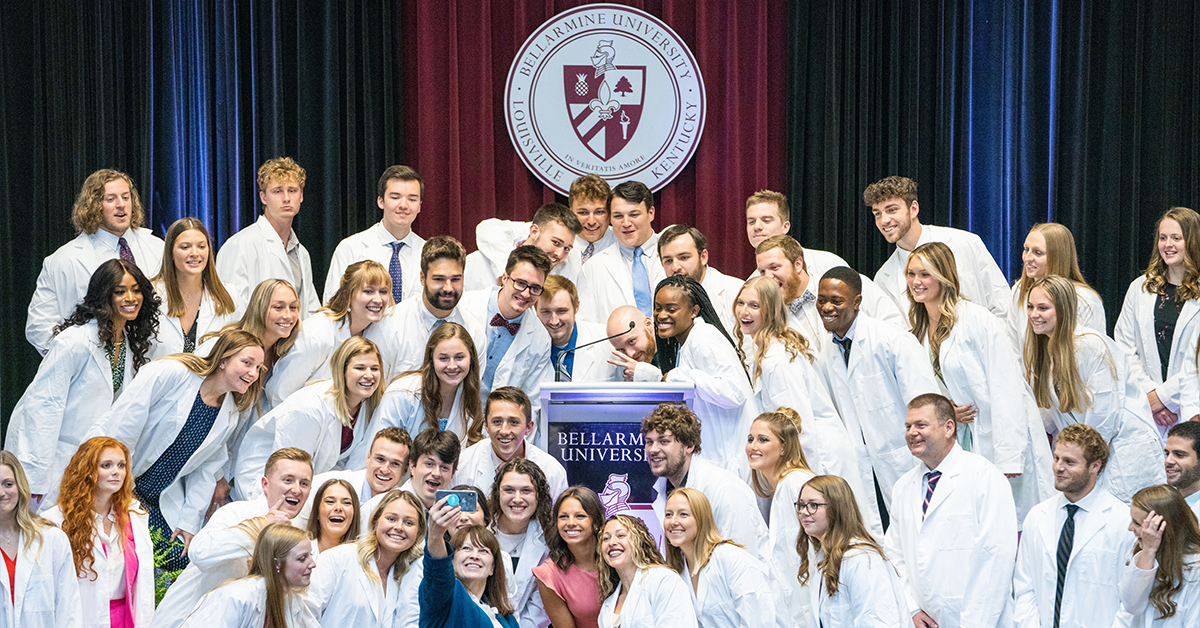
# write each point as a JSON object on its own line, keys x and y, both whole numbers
{"x": 1066, "y": 539}
{"x": 394, "y": 271}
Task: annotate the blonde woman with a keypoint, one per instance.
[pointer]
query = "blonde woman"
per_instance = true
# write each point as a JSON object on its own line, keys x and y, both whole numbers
{"x": 637, "y": 586}
{"x": 1158, "y": 324}
{"x": 38, "y": 587}
{"x": 332, "y": 422}
{"x": 194, "y": 301}
{"x": 780, "y": 363}
{"x": 1049, "y": 249}
{"x": 729, "y": 586}
{"x": 976, "y": 368}
{"x": 1080, "y": 376}
{"x": 362, "y": 300}
{"x": 272, "y": 595}
{"x": 849, "y": 580}
{"x": 373, "y": 582}
{"x": 1161, "y": 583}
{"x": 443, "y": 392}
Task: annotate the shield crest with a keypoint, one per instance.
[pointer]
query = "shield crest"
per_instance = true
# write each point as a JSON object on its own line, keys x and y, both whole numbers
{"x": 604, "y": 110}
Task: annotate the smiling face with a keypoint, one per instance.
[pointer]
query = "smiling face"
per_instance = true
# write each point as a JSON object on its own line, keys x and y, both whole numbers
{"x": 368, "y": 304}
{"x": 554, "y": 239}
{"x": 126, "y": 299}
{"x": 680, "y": 257}
{"x": 451, "y": 361}
{"x": 616, "y": 545}
{"x": 923, "y": 286}
{"x": 290, "y": 480}
{"x": 398, "y": 526}
{"x": 429, "y": 474}
{"x": 762, "y": 222}
{"x": 679, "y": 526}
{"x": 281, "y": 200}
{"x": 790, "y": 276}
{"x": 190, "y": 253}
{"x": 557, "y": 314}
{"x": 443, "y": 282}
{"x": 1170, "y": 243}
{"x": 507, "y": 427}
{"x": 593, "y": 215}
{"x": 242, "y": 370}
{"x": 1042, "y": 314}
{"x": 298, "y": 566}
{"x": 631, "y": 222}
{"x": 637, "y": 343}
{"x": 513, "y": 300}
{"x": 573, "y": 524}
{"x": 1136, "y": 516}
{"x": 8, "y": 491}
{"x": 1182, "y": 464}
{"x": 747, "y": 311}
{"x": 385, "y": 465}
{"x": 814, "y": 523}
{"x": 763, "y": 448}
{"x": 282, "y": 315}
{"x": 674, "y": 313}
{"x": 1073, "y": 476}
{"x": 473, "y": 561}
{"x": 401, "y": 202}
{"x": 468, "y": 518}
{"x": 894, "y": 218}
{"x": 928, "y": 439}
{"x": 363, "y": 373}
{"x": 335, "y": 511}
{"x": 518, "y": 498}
{"x": 1033, "y": 255}
{"x": 667, "y": 456}
{"x": 838, "y": 306}
{"x": 110, "y": 476}
{"x": 116, "y": 207}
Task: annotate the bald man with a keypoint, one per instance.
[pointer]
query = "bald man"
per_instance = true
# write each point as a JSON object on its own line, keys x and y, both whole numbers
{"x": 633, "y": 352}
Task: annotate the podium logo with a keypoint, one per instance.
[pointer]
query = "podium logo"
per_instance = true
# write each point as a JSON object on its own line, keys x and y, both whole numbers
{"x": 630, "y": 104}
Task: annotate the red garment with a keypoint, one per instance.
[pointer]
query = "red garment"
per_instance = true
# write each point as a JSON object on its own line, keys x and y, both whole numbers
{"x": 11, "y": 565}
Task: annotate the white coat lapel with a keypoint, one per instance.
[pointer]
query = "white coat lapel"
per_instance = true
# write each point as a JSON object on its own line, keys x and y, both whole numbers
{"x": 373, "y": 591}
{"x": 275, "y": 246}
{"x": 1145, "y": 313}
{"x": 1088, "y": 527}
{"x": 530, "y": 558}
{"x": 24, "y": 567}
{"x": 1190, "y": 308}
{"x": 941, "y": 491}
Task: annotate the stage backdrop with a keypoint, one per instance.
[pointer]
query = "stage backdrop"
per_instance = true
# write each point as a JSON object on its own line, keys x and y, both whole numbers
{"x": 1007, "y": 114}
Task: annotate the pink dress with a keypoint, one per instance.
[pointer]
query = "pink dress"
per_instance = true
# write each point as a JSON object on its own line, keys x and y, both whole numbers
{"x": 579, "y": 588}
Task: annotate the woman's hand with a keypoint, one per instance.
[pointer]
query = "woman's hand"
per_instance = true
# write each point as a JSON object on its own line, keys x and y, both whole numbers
{"x": 1150, "y": 536}
{"x": 965, "y": 414}
{"x": 186, "y": 537}
{"x": 441, "y": 519}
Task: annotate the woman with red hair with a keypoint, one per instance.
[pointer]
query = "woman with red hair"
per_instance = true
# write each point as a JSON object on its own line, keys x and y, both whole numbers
{"x": 109, "y": 534}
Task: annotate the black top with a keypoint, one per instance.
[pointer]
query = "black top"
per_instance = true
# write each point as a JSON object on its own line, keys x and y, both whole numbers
{"x": 1166, "y": 314}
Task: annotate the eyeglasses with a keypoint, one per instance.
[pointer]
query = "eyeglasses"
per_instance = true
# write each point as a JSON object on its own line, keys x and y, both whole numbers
{"x": 520, "y": 286}
{"x": 808, "y": 508}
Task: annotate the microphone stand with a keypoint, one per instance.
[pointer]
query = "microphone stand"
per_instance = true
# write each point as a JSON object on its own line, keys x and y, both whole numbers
{"x": 562, "y": 357}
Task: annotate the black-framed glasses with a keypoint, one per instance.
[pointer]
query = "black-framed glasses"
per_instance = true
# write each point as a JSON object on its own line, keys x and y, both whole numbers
{"x": 534, "y": 289}
{"x": 808, "y": 508}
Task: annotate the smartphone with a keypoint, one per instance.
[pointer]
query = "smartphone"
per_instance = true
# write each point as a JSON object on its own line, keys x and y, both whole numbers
{"x": 466, "y": 500}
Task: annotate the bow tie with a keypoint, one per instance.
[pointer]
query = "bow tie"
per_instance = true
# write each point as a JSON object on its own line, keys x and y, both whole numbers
{"x": 796, "y": 305}
{"x": 500, "y": 321}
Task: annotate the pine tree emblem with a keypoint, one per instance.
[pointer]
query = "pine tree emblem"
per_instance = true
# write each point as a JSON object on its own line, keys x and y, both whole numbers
{"x": 581, "y": 87}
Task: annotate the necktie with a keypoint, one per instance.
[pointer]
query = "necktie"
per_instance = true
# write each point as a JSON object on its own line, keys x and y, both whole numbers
{"x": 561, "y": 372}
{"x": 499, "y": 321}
{"x": 1065, "y": 540}
{"x": 641, "y": 284}
{"x": 124, "y": 251}
{"x": 589, "y": 251}
{"x": 394, "y": 271}
{"x": 933, "y": 477}
{"x": 844, "y": 343}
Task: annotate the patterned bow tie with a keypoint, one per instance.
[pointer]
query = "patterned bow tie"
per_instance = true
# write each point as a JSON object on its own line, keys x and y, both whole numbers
{"x": 499, "y": 321}
{"x": 795, "y": 306}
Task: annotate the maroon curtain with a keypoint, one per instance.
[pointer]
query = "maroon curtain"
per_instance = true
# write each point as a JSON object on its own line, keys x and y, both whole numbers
{"x": 458, "y": 53}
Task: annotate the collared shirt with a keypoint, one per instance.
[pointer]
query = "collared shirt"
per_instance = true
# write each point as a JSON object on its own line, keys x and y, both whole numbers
{"x": 649, "y": 254}
{"x": 499, "y": 340}
{"x": 113, "y": 547}
{"x": 1086, "y": 504}
{"x": 109, "y": 246}
{"x": 947, "y": 465}
{"x": 569, "y": 361}
{"x": 1193, "y": 500}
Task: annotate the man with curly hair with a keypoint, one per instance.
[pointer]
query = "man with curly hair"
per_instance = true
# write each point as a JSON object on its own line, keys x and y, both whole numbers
{"x": 108, "y": 219}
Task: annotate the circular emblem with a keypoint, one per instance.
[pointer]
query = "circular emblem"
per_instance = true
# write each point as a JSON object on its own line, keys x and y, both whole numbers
{"x": 605, "y": 89}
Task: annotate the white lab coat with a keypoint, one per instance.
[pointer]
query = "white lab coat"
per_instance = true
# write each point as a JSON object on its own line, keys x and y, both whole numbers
{"x": 792, "y": 602}
{"x": 980, "y": 277}
{"x": 66, "y": 272}
{"x": 341, "y": 594}
{"x": 591, "y": 363}
{"x": 1101, "y": 546}
{"x": 887, "y": 370}
{"x": 956, "y": 563}
{"x": 255, "y": 254}
{"x": 477, "y": 466}
{"x": 722, "y": 292}
{"x": 149, "y": 418}
{"x": 1136, "y": 584}
{"x": 1089, "y": 312}
{"x": 795, "y": 383}
{"x": 607, "y": 240}
{"x": 375, "y": 244}
{"x": 401, "y": 406}
{"x": 47, "y": 591}
{"x": 657, "y": 598}
{"x": 497, "y": 238}
{"x": 95, "y": 593}
{"x": 606, "y": 282}
{"x": 308, "y": 420}
{"x": 875, "y": 304}
{"x": 723, "y": 398}
{"x": 1134, "y": 333}
{"x": 308, "y": 360}
{"x": 243, "y": 604}
{"x": 522, "y": 585}
{"x": 526, "y": 364}
{"x": 869, "y": 593}
{"x": 1120, "y": 412}
{"x": 220, "y": 552}
{"x": 734, "y": 506}
{"x": 70, "y": 392}
{"x": 979, "y": 367}
{"x": 171, "y": 334}
{"x": 732, "y": 590}
{"x": 402, "y": 336}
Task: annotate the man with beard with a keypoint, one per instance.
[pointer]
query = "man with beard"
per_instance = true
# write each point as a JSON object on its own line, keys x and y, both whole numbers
{"x": 1072, "y": 551}
{"x": 1183, "y": 462}
{"x": 672, "y": 442}
{"x": 683, "y": 250}
{"x": 554, "y": 230}
{"x": 633, "y": 352}
{"x": 893, "y": 203}
{"x": 407, "y": 330}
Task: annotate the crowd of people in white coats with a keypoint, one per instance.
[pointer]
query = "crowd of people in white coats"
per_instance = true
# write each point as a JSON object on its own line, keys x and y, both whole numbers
{"x": 929, "y": 447}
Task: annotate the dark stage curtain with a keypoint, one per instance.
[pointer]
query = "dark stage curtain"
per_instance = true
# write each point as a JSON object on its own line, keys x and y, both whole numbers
{"x": 1006, "y": 114}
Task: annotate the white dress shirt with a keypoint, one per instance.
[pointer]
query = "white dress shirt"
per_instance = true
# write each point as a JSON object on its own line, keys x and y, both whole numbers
{"x": 375, "y": 244}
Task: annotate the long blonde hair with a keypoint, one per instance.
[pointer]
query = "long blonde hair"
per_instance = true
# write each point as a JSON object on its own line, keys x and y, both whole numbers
{"x": 785, "y": 427}
{"x": 368, "y": 544}
{"x": 773, "y": 325}
{"x": 352, "y": 347}
{"x": 211, "y": 284}
{"x": 271, "y": 550}
{"x": 844, "y": 532}
{"x": 644, "y": 549}
{"x": 1156, "y": 270}
{"x": 28, "y": 521}
{"x": 357, "y": 276}
{"x": 1052, "y": 356}
{"x": 254, "y": 320}
{"x": 708, "y": 537}
{"x": 939, "y": 262}
{"x": 1061, "y": 257}
{"x": 229, "y": 344}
